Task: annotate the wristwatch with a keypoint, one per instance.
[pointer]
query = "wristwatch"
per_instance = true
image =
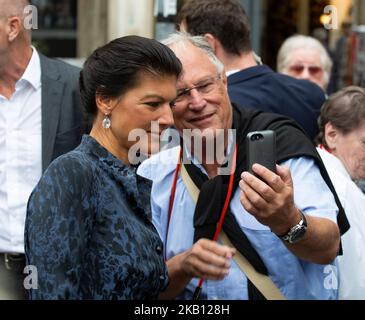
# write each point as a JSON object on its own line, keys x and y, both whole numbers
{"x": 297, "y": 232}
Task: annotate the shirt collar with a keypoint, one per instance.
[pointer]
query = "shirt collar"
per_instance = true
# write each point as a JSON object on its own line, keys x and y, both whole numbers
{"x": 257, "y": 59}
{"x": 32, "y": 73}
{"x": 335, "y": 162}
{"x": 249, "y": 73}
{"x": 229, "y": 73}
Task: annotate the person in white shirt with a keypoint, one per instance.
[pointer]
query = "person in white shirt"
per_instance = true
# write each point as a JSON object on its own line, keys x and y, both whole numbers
{"x": 33, "y": 131}
{"x": 342, "y": 148}
{"x": 259, "y": 217}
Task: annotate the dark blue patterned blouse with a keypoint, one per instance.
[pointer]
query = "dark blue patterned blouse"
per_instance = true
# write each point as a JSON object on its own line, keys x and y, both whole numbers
{"x": 89, "y": 231}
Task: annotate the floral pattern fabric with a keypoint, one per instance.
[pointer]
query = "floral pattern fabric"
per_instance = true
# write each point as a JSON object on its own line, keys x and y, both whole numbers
{"x": 89, "y": 231}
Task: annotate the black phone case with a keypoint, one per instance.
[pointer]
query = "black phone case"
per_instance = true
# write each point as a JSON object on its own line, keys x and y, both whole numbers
{"x": 261, "y": 149}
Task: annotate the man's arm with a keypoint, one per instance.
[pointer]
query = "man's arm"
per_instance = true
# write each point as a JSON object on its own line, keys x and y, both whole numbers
{"x": 272, "y": 204}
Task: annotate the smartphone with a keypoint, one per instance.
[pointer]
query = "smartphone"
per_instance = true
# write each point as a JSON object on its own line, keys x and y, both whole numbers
{"x": 261, "y": 149}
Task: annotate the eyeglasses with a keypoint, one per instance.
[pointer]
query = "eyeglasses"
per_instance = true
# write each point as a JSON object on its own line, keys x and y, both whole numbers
{"x": 204, "y": 87}
{"x": 298, "y": 69}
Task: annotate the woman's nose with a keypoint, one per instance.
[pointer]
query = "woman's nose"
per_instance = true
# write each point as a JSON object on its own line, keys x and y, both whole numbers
{"x": 166, "y": 118}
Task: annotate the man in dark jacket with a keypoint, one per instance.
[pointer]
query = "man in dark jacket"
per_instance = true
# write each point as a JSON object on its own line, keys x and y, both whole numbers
{"x": 40, "y": 119}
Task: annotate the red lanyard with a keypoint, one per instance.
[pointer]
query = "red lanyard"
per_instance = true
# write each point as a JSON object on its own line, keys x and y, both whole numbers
{"x": 322, "y": 147}
{"x": 225, "y": 207}
{"x": 172, "y": 198}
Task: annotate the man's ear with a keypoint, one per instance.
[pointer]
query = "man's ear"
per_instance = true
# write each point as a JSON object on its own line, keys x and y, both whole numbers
{"x": 212, "y": 41}
{"x": 182, "y": 26}
{"x": 216, "y": 45}
{"x": 331, "y": 134}
{"x": 14, "y": 28}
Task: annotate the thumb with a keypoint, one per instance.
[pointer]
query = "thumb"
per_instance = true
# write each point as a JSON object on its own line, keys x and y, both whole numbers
{"x": 285, "y": 175}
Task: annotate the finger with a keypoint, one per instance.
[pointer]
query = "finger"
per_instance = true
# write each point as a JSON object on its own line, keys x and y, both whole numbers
{"x": 259, "y": 186}
{"x": 208, "y": 257}
{"x": 250, "y": 208}
{"x": 254, "y": 198}
{"x": 230, "y": 255}
{"x": 216, "y": 248}
{"x": 272, "y": 179}
{"x": 202, "y": 270}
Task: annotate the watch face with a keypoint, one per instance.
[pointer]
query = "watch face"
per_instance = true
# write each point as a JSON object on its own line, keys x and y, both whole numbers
{"x": 297, "y": 234}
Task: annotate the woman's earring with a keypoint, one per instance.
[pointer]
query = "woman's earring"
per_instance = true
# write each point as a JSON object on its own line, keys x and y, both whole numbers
{"x": 107, "y": 122}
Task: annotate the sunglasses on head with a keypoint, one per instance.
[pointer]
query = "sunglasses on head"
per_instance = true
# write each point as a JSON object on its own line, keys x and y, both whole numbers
{"x": 298, "y": 69}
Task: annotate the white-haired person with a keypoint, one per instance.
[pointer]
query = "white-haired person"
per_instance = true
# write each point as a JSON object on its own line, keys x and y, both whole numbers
{"x": 304, "y": 57}
{"x": 342, "y": 149}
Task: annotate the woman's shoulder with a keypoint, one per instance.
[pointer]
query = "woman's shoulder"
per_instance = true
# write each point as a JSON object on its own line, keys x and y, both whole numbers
{"x": 75, "y": 167}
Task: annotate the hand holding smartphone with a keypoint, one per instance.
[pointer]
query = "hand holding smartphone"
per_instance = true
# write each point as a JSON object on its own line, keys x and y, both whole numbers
{"x": 261, "y": 149}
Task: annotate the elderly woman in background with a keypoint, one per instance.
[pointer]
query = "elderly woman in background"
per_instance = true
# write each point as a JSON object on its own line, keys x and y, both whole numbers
{"x": 342, "y": 148}
{"x": 304, "y": 57}
{"x": 88, "y": 227}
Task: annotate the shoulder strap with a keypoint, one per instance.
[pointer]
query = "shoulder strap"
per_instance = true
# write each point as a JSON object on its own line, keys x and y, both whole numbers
{"x": 262, "y": 282}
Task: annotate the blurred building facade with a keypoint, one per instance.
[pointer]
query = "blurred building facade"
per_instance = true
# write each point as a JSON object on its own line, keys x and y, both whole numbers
{"x": 74, "y": 28}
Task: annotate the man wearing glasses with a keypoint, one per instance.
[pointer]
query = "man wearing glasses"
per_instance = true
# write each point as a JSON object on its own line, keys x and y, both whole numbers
{"x": 284, "y": 224}
{"x": 226, "y": 27}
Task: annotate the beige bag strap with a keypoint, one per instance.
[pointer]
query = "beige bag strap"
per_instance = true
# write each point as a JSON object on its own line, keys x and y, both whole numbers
{"x": 262, "y": 282}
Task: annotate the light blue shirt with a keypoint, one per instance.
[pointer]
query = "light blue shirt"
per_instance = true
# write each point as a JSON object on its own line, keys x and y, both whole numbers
{"x": 295, "y": 278}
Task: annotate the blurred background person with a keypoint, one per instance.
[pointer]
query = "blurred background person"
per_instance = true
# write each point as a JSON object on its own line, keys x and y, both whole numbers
{"x": 225, "y": 25}
{"x": 342, "y": 148}
{"x": 40, "y": 119}
{"x": 304, "y": 57}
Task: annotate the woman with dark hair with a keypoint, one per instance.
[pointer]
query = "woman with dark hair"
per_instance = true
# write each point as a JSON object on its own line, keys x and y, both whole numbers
{"x": 342, "y": 149}
{"x": 88, "y": 228}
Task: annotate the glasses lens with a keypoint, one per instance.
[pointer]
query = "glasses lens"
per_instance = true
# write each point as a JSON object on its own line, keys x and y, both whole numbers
{"x": 181, "y": 96}
{"x": 206, "y": 87}
{"x": 203, "y": 87}
{"x": 314, "y": 70}
{"x": 297, "y": 69}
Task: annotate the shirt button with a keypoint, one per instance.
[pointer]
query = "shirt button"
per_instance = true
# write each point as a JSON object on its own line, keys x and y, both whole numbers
{"x": 159, "y": 249}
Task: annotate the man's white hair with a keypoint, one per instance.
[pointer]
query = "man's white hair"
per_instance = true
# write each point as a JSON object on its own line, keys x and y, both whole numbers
{"x": 304, "y": 42}
{"x": 180, "y": 39}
